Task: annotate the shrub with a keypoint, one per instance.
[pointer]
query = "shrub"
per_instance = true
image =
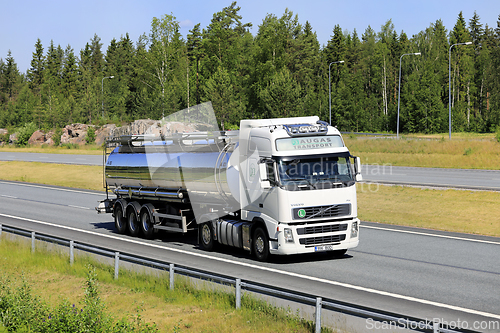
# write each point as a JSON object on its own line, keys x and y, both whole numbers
{"x": 90, "y": 135}
{"x": 497, "y": 134}
{"x": 24, "y": 133}
{"x": 57, "y": 136}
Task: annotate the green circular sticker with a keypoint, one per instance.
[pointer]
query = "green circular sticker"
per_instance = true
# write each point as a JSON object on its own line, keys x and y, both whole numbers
{"x": 301, "y": 213}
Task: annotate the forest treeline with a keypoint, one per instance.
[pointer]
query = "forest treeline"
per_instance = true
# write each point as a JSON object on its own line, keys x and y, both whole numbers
{"x": 282, "y": 71}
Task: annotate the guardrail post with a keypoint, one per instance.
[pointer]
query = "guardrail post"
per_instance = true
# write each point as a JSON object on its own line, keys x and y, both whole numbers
{"x": 117, "y": 264}
{"x": 436, "y": 326}
{"x": 318, "y": 314}
{"x": 171, "y": 275}
{"x": 238, "y": 293}
{"x": 33, "y": 241}
{"x": 0, "y": 230}
{"x": 71, "y": 254}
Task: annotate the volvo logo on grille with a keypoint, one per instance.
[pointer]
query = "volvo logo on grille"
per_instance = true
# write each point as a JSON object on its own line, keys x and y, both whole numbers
{"x": 319, "y": 212}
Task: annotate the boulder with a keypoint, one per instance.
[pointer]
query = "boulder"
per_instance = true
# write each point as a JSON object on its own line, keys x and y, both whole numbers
{"x": 102, "y": 133}
{"x": 37, "y": 138}
{"x": 13, "y": 138}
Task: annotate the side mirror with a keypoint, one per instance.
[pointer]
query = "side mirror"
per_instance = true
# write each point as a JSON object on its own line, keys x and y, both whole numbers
{"x": 357, "y": 169}
{"x": 264, "y": 181}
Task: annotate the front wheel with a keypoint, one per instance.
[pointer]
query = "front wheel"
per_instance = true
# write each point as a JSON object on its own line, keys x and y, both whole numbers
{"x": 206, "y": 235}
{"x": 260, "y": 245}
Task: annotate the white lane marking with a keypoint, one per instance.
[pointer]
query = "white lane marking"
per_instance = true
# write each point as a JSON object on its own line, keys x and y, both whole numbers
{"x": 8, "y": 196}
{"x": 53, "y": 188}
{"x": 80, "y": 207}
{"x": 273, "y": 270}
{"x": 431, "y": 235}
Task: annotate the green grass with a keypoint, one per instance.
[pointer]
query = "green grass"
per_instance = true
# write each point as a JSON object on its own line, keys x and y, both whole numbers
{"x": 139, "y": 296}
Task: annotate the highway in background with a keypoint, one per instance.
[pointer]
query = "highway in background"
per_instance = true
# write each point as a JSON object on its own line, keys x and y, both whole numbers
{"x": 383, "y": 174}
{"x": 421, "y": 273}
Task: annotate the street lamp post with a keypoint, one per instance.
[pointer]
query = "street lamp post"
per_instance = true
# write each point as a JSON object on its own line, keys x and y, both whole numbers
{"x": 399, "y": 88}
{"x": 102, "y": 92}
{"x": 449, "y": 82}
{"x": 330, "y": 87}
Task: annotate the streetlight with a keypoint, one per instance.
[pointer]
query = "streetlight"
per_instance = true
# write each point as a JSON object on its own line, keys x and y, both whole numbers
{"x": 449, "y": 81}
{"x": 330, "y": 86}
{"x": 102, "y": 92}
{"x": 399, "y": 88}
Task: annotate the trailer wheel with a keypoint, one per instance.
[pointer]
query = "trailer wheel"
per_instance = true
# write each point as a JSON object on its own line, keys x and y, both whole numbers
{"x": 146, "y": 224}
{"x": 133, "y": 224}
{"x": 206, "y": 234}
{"x": 260, "y": 244}
{"x": 120, "y": 221}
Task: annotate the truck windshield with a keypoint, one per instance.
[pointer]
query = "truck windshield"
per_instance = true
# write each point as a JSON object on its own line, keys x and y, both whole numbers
{"x": 315, "y": 172}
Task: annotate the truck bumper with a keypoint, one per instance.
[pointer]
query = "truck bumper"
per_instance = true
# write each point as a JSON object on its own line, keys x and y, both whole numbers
{"x": 315, "y": 238}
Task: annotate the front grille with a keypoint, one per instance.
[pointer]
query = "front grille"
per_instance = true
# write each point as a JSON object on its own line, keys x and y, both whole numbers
{"x": 317, "y": 212}
{"x": 322, "y": 229}
{"x": 322, "y": 240}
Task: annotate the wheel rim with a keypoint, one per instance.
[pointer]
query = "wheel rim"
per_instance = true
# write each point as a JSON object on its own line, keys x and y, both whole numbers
{"x": 119, "y": 218}
{"x": 206, "y": 234}
{"x": 131, "y": 222}
{"x": 259, "y": 244}
{"x": 145, "y": 222}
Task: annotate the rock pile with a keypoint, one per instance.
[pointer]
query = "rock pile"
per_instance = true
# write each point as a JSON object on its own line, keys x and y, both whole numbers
{"x": 77, "y": 133}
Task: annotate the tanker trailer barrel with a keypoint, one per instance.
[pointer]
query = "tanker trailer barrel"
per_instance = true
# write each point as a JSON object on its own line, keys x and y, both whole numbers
{"x": 175, "y": 171}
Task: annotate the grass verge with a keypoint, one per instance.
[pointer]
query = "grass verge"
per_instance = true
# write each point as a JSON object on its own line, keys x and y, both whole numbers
{"x": 137, "y": 299}
{"x": 473, "y": 212}
{"x": 78, "y": 176}
{"x": 464, "y": 153}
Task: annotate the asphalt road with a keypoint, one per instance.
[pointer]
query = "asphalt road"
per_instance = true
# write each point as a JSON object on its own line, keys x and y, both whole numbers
{"x": 385, "y": 174}
{"x": 421, "y": 273}
{"x": 52, "y": 158}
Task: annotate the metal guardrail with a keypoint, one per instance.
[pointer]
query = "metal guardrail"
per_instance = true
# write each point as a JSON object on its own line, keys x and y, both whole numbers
{"x": 396, "y": 320}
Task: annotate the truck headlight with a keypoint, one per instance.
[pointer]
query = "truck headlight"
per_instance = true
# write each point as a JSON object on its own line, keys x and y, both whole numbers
{"x": 287, "y": 232}
{"x": 354, "y": 229}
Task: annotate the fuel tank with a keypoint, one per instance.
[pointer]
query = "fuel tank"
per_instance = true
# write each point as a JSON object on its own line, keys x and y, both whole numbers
{"x": 204, "y": 169}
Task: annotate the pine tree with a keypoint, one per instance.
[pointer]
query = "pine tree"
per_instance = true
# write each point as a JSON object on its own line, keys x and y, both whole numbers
{"x": 35, "y": 73}
{"x": 194, "y": 56}
{"x": 461, "y": 76}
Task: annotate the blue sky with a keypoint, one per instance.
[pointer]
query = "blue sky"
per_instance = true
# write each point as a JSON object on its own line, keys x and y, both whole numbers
{"x": 75, "y": 22}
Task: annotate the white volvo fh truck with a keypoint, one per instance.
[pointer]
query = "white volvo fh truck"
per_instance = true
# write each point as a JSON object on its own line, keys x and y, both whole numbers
{"x": 274, "y": 187}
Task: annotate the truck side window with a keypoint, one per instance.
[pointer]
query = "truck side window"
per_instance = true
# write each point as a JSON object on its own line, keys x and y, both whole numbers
{"x": 270, "y": 172}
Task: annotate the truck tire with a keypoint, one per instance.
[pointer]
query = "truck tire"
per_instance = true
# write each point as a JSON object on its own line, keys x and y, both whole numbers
{"x": 132, "y": 223}
{"x": 146, "y": 224}
{"x": 260, "y": 244}
{"x": 120, "y": 221}
{"x": 206, "y": 234}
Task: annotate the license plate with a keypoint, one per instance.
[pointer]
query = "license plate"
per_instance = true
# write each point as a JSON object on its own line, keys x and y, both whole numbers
{"x": 323, "y": 248}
